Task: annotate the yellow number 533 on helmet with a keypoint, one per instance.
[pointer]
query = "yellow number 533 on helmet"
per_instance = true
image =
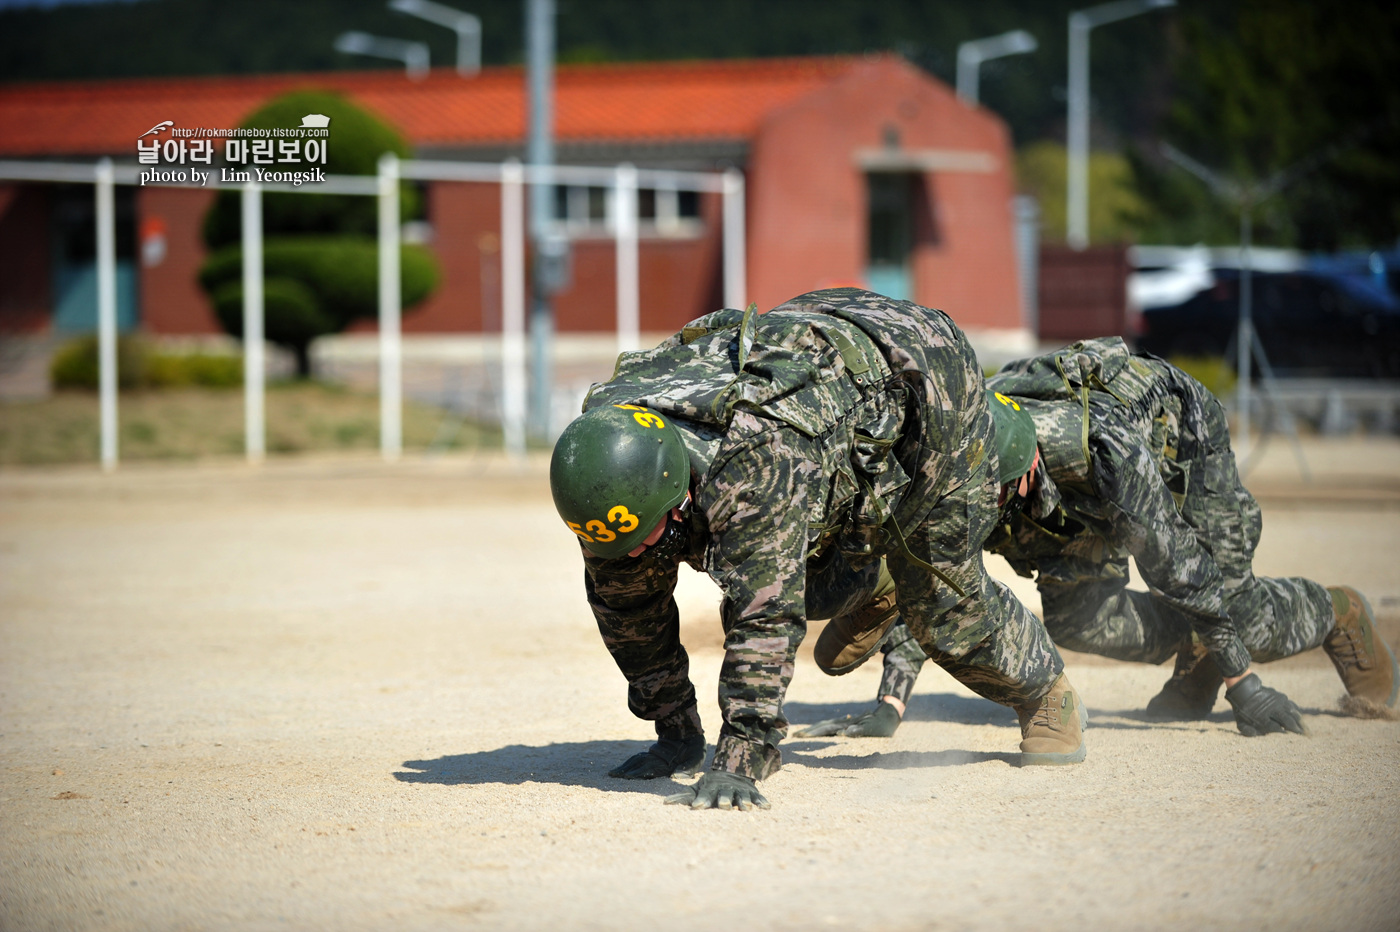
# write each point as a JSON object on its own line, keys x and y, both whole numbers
{"x": 616, "y": 471}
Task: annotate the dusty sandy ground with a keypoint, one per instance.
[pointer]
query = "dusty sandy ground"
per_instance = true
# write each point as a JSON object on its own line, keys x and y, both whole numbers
{"x": 340, "y": 695}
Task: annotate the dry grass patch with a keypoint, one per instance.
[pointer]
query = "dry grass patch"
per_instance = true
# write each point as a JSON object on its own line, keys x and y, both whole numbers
{"x": 192, "y": 423}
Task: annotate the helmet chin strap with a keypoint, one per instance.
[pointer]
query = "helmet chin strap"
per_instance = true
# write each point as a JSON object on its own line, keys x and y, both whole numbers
{"x": 671, "y": 529}
{"x": 672, "y": 540}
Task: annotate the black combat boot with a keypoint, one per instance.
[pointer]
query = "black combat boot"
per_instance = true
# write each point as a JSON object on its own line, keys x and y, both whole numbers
{"x": 1191, "y": 692}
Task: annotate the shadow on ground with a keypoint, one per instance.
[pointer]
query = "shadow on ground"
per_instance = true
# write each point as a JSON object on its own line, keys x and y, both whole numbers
{"x": 569, "y": 763}
{"x": 969, "y": 710}
{"x": 885, "y": 760}
{"x": 586, "y": 763}
{"x": 929, "y": 707}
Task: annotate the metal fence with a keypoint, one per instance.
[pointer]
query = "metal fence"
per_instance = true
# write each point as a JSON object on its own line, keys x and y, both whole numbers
{"x": 624, "y": 179}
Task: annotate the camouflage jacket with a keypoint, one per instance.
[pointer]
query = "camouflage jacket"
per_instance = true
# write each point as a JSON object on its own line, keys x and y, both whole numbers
{"x": 1116, "y": 433}
{"x": 796, "y": 424}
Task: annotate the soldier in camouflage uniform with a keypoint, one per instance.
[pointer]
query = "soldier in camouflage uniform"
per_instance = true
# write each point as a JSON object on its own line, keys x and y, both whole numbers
{"x": 838, "y": 429}
{"x": 1134, "y": 458}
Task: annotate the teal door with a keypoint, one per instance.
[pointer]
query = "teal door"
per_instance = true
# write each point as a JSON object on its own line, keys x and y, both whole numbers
{"x": 75, "y": 297}
{"x": 74, "y": 258}
{"x": 890, "y": 222}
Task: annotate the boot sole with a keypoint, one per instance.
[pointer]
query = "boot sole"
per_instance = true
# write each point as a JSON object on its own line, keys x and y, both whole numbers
{"x": 1370, "y": 708}
{"x": 847, "y": 668}
{"x": 1045, "y": 759}
{"x": 831, "y": 669}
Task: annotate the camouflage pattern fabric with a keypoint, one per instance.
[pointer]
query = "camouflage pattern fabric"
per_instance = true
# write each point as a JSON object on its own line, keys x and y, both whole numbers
{"x": 837, "y": 428}
{"x": 903, "y": 659}
{"x": 1159, "y": 484}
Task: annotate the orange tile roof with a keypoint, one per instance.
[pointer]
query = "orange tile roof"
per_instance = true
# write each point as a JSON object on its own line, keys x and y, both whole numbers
{"x": 624, "y": 102}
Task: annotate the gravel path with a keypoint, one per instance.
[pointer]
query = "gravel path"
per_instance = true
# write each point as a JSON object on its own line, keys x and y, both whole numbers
{"x": 331, "y": 694}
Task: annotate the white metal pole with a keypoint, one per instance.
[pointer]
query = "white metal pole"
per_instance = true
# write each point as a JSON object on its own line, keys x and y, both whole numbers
{"x": 1077, "y": 131}
{"x": 513, "y": 308}
{"x": 628, "y": 270}
{"x": 468, "y": 45}
{"x": 1244, "y": 337}
{"x": 968, "y": 67}
{"x": 390, "y": 308}
{"x": 539, "y": 152}
{"x": 972, "y": 54}
{"x": 1077, "y": 183}
{"x": 254, "y": 368}
{"x": 107, "y": 311}
{"x": 735, "y": 270}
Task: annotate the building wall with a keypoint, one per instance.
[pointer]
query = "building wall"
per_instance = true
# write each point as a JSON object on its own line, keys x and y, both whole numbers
{"x": 1083, "y": 293}
{"x": 25, "y": 276}
{"x": 807, "y": 198}
{"x": 680, "y": 277}
{"x": 172, "y": 303}
{"x": 466, "y": 222}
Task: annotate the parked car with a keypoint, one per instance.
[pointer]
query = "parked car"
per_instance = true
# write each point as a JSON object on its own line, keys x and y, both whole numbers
{"x": 1311, "y": 322}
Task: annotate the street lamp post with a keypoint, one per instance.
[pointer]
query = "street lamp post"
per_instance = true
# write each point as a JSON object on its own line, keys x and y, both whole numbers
{"x": 972, "y": 54}
{"x": 548, "y": 251}
{"x": 1077, "y": 187}
{"x": 467, "y": 27}
{"x": 414, "y": 55}
{"x": 1245, "y": 196}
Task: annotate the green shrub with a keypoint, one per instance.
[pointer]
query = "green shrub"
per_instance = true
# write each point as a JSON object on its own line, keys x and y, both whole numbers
{"x": 200, "y": 369}
{"x": 313, "y": 285}
{"x": 320, "y": 256}
{"x": 339, "y": 275}
{"x": 357, "y": 139}
{"x": 291, "y": 315}
{"x": 1214, "y": 372}
{"x": 75, "y": 366}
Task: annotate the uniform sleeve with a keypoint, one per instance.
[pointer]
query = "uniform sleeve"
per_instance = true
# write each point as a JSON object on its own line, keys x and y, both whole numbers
{"x": 756, "y": 502}
{"x": 1144, "y": 520}
{"x": 633, "y": 603}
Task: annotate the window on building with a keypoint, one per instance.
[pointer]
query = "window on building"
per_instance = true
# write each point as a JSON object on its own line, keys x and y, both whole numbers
{"x": 585, "y": 211}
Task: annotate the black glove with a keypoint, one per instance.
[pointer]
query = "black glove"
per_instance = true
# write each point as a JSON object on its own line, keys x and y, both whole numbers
{"x": 665, "y": 757}
{"x": 879, "y": 722}
{"x": 720, "y": 790}
{"x": 1260, "y": 710}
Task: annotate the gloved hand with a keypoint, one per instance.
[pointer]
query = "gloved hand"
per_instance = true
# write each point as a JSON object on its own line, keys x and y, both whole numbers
{"x": 879, "y": 722}
{"x": 720, "y": 790}
{"x": 1260, "y": 710}
{"x": 665, "y": 757}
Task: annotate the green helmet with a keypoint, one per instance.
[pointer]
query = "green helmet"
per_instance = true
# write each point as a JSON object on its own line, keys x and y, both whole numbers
{"x": 616, "y": 471}
{"x": 1015, "y": 437}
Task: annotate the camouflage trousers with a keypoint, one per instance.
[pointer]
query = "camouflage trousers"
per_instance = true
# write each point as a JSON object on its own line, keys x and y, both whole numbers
{"x": 904, "y": 658}
{"x": 985, "y": 638}
{"x": 1275, "y": 618}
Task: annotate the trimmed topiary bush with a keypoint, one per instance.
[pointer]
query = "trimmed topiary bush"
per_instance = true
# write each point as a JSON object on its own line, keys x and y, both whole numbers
{"x": 357, "y": 139}
{"x": 312, "y": 285}
{"x": 320, "y": 252}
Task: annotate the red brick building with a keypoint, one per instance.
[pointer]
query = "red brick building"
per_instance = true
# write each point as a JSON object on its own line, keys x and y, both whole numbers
{"x": 859, "y": 170}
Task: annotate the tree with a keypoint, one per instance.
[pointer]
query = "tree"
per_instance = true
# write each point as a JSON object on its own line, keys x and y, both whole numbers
{"x": 1267, "y": 85}
{"x": 1115, "y": 209}
{"x": 320, "y": 252}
